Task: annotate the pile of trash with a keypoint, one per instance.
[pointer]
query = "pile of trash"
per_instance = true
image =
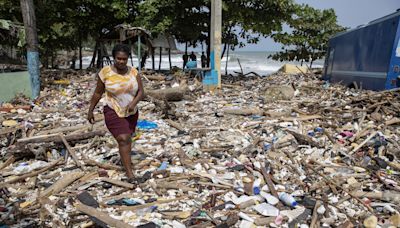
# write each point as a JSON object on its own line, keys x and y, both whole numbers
{"x": 283, "y": 150}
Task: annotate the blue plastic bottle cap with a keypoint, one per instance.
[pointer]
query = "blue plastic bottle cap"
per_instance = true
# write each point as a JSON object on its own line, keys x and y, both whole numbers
{"x": 294, "y": 204}
{"x": 256, "y": 191}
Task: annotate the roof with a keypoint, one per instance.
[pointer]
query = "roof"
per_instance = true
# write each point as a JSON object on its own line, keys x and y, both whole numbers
{"x": 164, "y": 41}
{"x": 387, "y": 17}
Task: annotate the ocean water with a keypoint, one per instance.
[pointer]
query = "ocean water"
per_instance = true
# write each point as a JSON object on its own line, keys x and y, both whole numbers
{"x": 251, "y": 61}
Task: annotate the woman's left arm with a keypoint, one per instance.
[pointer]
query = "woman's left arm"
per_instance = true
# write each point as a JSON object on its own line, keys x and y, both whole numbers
{"x": 140, "y": 94}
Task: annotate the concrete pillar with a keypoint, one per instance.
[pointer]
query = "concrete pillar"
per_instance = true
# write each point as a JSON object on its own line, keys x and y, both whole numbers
{"x": 29, "y": 17}
{"x": 213, "y": 78}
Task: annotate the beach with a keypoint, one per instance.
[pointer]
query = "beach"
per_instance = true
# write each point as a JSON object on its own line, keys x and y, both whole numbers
{"x": 251, "y": 61}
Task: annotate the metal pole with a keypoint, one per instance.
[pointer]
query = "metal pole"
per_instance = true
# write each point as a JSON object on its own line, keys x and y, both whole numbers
{"x": 139, "y": 63}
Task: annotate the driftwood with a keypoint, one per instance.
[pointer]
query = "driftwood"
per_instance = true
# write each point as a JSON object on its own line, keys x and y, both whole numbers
{"x": 101, "y": 216}
{"x": 9, "y": 161}
{"x": 271, "y": 186}
{"x": 243, "y": 111}
{"x": 331, "y": 182}
{"x": 175, "y": 124}
{"x": 364, "y": 142}
{"x": 394, "y": 165}
{"x": 304, "y": 139}
{"x": 82, "y": 127}
{"x": 71, "y": 152}
{"x": 101, "y": 165}
{"x": 32, "y": 174}
{"x": 388, "y": 196}
{"x": 158, "y": 202}
{"x": 392, "y": 121}
{"x": 56, "y": 137}
{"x": 24, "y": 107}
{"x": 314, "y": 218}
{"x": 264, "y": 221}
{"x": 174, "y": 185}
{"x": 156, "y": 77}
{"x": 62, "y": 183}
{"x": 117, "y": 182}
{"x": 169, "y": 94}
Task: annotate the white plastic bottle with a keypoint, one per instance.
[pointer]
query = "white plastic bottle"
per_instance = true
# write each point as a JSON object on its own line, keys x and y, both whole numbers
{"x": 287, "y": 199}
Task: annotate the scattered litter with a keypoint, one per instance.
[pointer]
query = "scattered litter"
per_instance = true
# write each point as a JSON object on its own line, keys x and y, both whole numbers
{"x": 285, "y": 150}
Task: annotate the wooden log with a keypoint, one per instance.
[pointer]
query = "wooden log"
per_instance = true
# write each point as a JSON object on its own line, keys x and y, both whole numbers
{"x": 9, "y": 161}
{"x": 388, "y": 196}
{"x": 315, "y": 215}
{"x": 175, "y": 124}
{"x": 271, "y": 186}
{"x": 62, "y": 183}
{"x": 8, "y": 109}
{"x": 32, "y": 174}
{"x": 363, "y": 143}
{"x": 101, "y": 216}
{"x": 158, "y": 202}
{"x": 304, "y": 139}
{"x": 244, "y": 111}
{"x": 169, "y": 94}
{"x": 264, "y": 221}
{"x": 71, "y": 152}
{"x": 330, "y": 181}
{"x": 394, "y": 165}
{"x": 10, "y": 130}
{"x": 117, "y": 182}
{"x": 392, "y": 121}
{"x": 101, "y": 165}
{"x": 156, "y": 77}
{"x": 56, "y": 138}
{"x": 302, "y": 118}
{"x": 175, "y": 185}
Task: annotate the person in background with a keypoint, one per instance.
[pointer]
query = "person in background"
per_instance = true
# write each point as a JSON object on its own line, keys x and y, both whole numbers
{"x": 203, "y": 60}
{"x": 143, "y": 60}
{"x": 123, "y": 88}
{"x": 185, "y": 58}
{"x": 193, "y": 57}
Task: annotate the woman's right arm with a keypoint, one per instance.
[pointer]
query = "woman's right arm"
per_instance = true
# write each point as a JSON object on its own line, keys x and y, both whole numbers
{"x": 98, "y": 92}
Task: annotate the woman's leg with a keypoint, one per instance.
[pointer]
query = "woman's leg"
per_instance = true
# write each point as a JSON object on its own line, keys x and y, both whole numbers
{"x": 124, "y": 144}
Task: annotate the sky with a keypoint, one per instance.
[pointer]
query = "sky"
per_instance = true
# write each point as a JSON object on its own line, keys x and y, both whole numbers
{"x": 350, "y": 13}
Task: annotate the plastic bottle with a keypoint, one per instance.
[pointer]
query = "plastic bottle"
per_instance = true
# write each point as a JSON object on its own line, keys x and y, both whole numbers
{"x": 270, "y": 198}
{"x": 319, "y": 130}
{"x": 287, "y": 199}
{"x": 146, "y": 210}
{"x": 256, "y": 187}
{"x": 163, "y": 165}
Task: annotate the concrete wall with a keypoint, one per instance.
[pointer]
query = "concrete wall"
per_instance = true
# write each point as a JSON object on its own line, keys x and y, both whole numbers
{"x": 13, "y": 83}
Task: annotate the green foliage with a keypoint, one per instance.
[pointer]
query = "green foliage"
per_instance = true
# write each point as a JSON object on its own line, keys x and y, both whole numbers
{"x": 189, "y": 21}
{"x": 11, "y": 33}
{"x": 308, "y": 40}
{"x": 66, "y": 24}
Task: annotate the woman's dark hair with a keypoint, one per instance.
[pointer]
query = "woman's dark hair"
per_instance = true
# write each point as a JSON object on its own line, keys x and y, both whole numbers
{"x": 121, "y": 48}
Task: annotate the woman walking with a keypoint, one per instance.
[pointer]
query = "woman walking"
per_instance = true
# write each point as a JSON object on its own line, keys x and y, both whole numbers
{"x": 123, "y": 88}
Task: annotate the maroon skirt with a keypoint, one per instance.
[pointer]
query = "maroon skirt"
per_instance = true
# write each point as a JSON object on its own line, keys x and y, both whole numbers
{"x": 117, "y": 125}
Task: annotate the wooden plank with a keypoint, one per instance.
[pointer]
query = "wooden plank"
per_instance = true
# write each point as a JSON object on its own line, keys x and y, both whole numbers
{"x": 158, "y": 202}
{"x": 101, "y": 216}
{"x": 62, "y": 183}
{"x": 117, "y": 182}
{"x": 9, "y": 161}
{"x": 32, "y": 174}
{"x": 175, "y": 124}
{"x": 101, "y": 165}
{"x": 71, "y": 152}
{"x": 56, "y": 138}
